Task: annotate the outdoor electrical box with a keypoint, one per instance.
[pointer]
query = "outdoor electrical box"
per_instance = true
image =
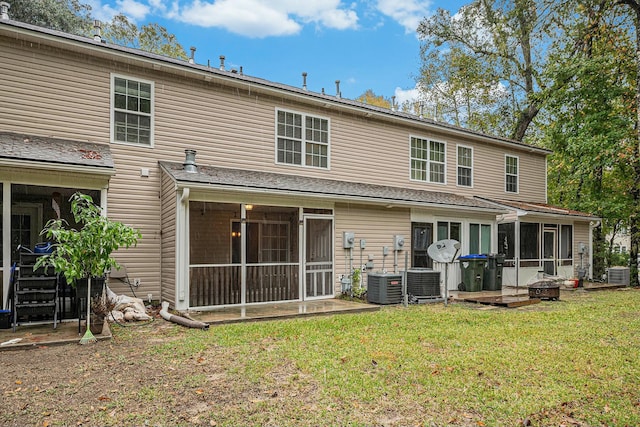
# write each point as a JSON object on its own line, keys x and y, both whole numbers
{"x": 385, "y": 250}
{"x": 348, "y": 239}
{"x": 363, "y": 244}
{"x": 398, "y": 242}
{"x": 582, "y": 248}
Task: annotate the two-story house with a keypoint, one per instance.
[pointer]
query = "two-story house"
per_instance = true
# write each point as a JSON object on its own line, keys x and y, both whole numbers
{"x": 249, "y": 191}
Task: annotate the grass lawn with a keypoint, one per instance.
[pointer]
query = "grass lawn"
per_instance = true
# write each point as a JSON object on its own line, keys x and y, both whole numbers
{"x": 573, "y": 362}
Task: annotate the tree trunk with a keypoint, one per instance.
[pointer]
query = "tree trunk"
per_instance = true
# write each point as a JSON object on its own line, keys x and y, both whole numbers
{"x": 634, "y": 220}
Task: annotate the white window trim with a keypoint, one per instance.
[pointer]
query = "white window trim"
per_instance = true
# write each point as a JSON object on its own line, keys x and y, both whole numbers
{"x": 480, "y": 224}
{"x": 428, "y": 181}
{"x": 303, "y": 163}
{"x": 112, "y": 111}
{"x": 504, "y": 171}
{"x": 459, "y": 165}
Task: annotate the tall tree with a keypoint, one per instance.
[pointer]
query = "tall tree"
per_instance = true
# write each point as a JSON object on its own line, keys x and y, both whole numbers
{"x": 634, "y": 154}
{"x": 491, "y": 47}
{"x": 70, "y": 16}
{"x": 369, "y": 97}
{"x": 150, "y": 37}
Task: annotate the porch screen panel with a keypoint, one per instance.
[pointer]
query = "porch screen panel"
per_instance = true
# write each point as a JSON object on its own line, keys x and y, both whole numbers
{"x": 566, "y": 244}
{"x": 506, "y": 242}
{"x": 32, "y": 206}
{"x": 319, "y": 258}
{"x": 529, "y": 244}
{"x": 215, "y": 262}
{"x": 272, "y": 254}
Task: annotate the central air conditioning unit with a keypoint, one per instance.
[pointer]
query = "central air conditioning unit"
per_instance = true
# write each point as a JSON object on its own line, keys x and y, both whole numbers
{"x": 619, "y": 276}
{"x": 384, "y": 288}
{"x": 423, "y": 283}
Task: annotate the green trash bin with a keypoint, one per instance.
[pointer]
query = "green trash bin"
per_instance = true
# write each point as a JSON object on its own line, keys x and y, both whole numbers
{"x": 472, "y": 268}
{"x": 492, "y": 278}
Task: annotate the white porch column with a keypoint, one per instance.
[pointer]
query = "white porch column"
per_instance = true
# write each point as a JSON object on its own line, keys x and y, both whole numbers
{"x": 182, "y": 249}
{"x": 6, "y": 242}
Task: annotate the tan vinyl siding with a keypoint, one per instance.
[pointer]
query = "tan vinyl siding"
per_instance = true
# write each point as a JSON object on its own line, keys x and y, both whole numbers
{"x": 53, "y": 92}
{"x": 235, "y": 127}
{"x": 580, "y": 234}
{"x": 376, "y": 225}
{"x": 168, "y": 238}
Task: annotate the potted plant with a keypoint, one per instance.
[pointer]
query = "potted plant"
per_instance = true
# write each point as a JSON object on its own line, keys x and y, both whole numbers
{"x": 101, "y": 306}
{"x": 86, "y": 253}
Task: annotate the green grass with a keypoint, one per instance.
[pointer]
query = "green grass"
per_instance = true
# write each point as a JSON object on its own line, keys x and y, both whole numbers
{"x": 574, "y": 361}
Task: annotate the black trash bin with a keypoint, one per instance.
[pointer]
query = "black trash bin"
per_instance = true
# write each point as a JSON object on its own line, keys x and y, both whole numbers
{"x": 492, "y": 279}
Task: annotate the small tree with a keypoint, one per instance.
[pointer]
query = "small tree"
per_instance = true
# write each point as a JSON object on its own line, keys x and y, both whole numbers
{"x": 85, "y": 253}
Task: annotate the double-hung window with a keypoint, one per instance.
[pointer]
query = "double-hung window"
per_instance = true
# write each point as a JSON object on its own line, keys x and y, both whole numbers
{"x": 465, "y": 164}
{"x": 132, "y": 111}
{"x": 427, "y": 160}
{"x": 302, "y": 139}
{"x": 511, "y": 174}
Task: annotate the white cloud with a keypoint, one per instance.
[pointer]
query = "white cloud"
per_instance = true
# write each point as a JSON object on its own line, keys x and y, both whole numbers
{"x": 256, "y": 18}
{"x": 134, "y": 10}
{"x": 407, "y": 95}
{"x": 407, "y": 13}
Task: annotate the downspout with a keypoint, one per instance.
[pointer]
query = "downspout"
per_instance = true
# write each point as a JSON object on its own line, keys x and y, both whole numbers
{"x": 181, "y": 320}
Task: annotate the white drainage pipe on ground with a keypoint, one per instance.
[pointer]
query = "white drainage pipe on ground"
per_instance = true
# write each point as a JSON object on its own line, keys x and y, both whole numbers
{"x": 181, "y": 320}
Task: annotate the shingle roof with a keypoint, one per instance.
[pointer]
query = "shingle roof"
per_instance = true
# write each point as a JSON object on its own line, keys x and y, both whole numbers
{"x": 542, "y": 208}
{"x": 274, "y": 183}
{"x": 14, "y": 146}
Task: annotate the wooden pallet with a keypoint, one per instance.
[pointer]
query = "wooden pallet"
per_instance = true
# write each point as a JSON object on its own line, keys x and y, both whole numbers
{"x": 504, "y": 301}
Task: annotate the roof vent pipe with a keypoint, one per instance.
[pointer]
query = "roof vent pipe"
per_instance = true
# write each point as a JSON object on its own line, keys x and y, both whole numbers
{"x": 338, "y": 94}
{"x": 393, "y": 103}
{"x": 421, "y": 109}
{"x": 97, "y": 31}
{"x": 304, "y": 80}
{"x": 222, "y": 62}
{"x": 241, "y": 72}
{"x": 192, "y": 59}
{"x": 190, "y": 161}
{"x": 4, "y": 10}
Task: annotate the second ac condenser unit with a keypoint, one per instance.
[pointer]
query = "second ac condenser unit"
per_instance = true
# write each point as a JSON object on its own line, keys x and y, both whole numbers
{"x": 423, "y": 282}
{"x": 384, "y": 288}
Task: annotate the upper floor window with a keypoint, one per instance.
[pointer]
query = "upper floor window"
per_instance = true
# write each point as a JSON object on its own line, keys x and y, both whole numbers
{"x": 511, "y": 174}
{"x": 302, "y": 139}
{"x": 465, "y": 163}
{"x": 427, "y": 160}
{"x": 132, "y": 111}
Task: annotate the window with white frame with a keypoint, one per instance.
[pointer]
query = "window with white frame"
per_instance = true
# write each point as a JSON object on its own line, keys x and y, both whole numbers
{"x": 132, "y": 110}
{"x": 511, "y": 174}
{"x": 449, "y": 230}
{"x": 479, "y": 238}
{"x": 465, "y": 164}
{"x": 302, "y": 139}
{"x": 427, "y": 160}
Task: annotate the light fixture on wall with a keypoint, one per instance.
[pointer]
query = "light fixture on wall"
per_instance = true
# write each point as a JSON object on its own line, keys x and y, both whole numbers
{"x": 235, "y": 234}
{"x": 248, "y": 207}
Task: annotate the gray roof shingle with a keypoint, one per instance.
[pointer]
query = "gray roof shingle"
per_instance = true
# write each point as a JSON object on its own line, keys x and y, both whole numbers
{"x": 14, "y": 146}
{"x": 236, "y": 179}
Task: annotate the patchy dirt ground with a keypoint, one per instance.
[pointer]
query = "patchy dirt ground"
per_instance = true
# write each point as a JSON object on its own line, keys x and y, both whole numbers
{"x": 122, "y": 382}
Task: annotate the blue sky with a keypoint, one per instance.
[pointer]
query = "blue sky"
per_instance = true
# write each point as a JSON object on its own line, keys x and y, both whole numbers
{"x": 366, "y": 44}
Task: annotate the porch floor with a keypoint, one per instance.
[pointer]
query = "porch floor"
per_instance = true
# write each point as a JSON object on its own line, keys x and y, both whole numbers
{"x": 280, "y": 310}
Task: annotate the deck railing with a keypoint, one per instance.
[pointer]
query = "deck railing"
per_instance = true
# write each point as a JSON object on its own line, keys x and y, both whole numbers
{"x": 222, "y": 284}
